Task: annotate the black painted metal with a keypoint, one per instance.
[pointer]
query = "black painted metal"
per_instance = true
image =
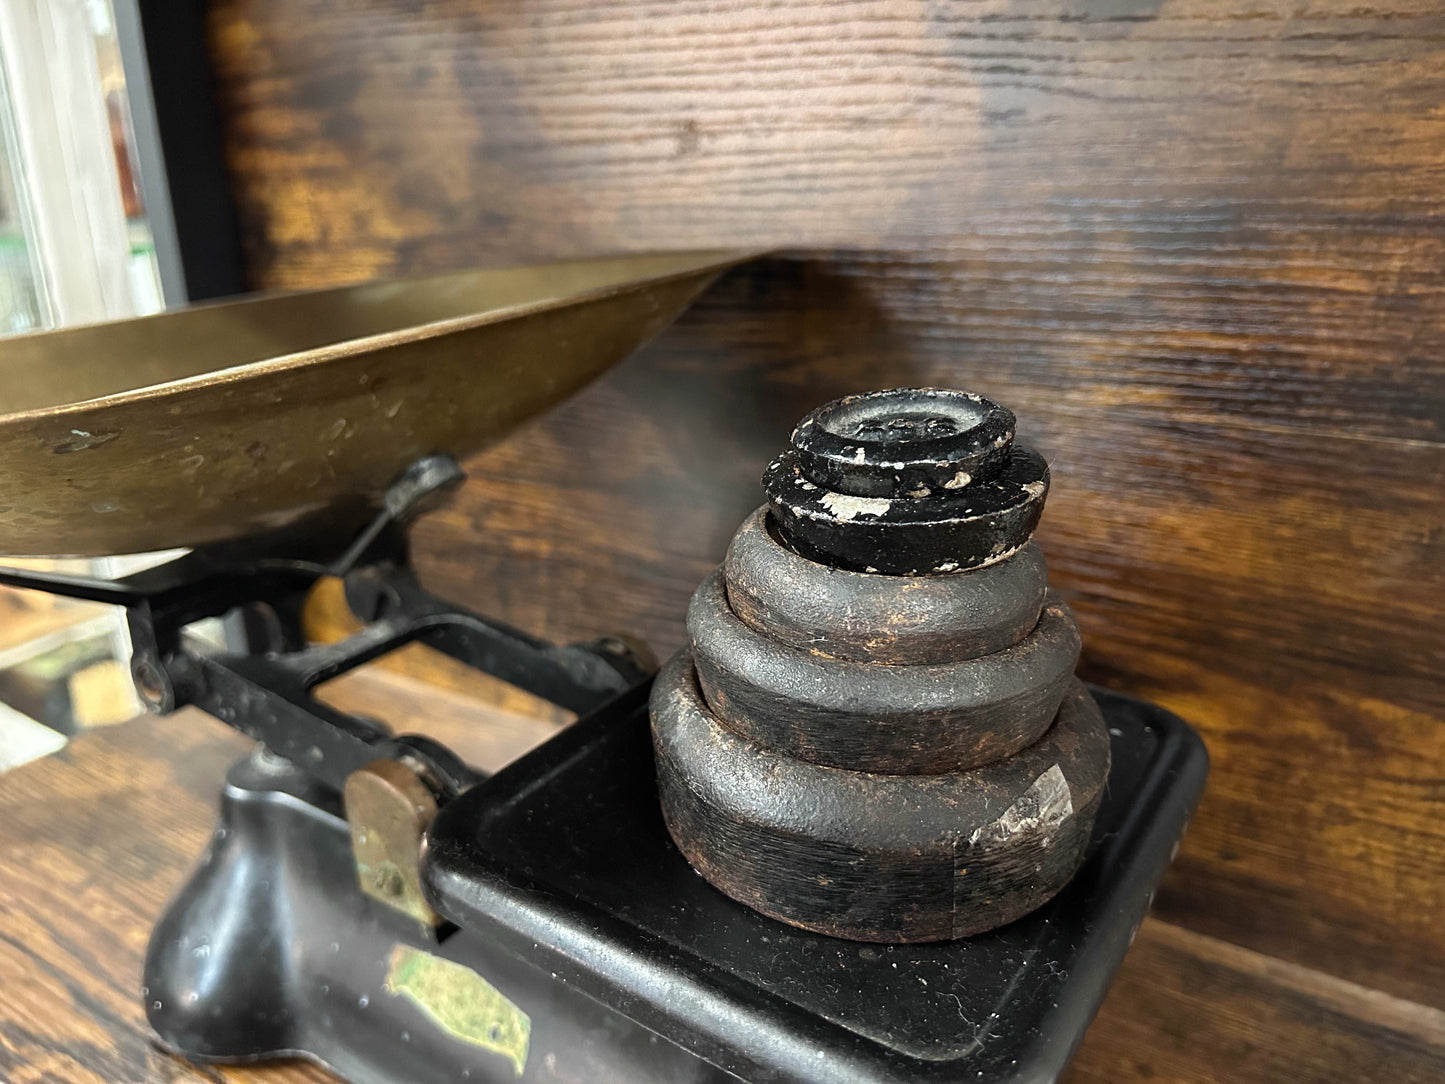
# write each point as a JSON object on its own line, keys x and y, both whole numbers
{"x": 906, "y": 536}
{"x": 271, "y": 950}
{"x": 907, "y": 482}
{"x": 904, "y": 442}
{"x": 571, "y": 900}
{"x": 267, "y": 693}
{"x": 562, "y": 858}
{"x": 568, "y": 896}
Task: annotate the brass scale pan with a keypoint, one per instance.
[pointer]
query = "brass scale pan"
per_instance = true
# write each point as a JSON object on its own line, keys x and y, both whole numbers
{"x": 223, "y": 421}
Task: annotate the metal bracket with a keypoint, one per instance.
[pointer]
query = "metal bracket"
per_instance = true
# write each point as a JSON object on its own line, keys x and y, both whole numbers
{"x": 266, "y": 692}
{"x": 389, "y": 809}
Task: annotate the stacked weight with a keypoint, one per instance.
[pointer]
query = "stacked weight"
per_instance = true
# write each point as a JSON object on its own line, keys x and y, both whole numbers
{"x": 875, "y": 732}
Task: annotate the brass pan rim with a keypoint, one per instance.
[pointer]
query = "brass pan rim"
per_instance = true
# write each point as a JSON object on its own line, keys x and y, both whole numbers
{"x": 346, "y": 348}
{"x": 243, "y": 418}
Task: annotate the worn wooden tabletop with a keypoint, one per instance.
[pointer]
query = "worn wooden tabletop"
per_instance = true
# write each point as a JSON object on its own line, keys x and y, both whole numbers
{"x": 95, "y": 838}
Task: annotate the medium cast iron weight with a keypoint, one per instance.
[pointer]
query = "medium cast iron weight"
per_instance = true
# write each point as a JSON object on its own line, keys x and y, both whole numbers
{"x": 875, "y": 731}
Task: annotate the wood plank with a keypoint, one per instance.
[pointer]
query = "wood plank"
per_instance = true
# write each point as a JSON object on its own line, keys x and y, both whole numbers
{"x": 1189, "y": 1008}
{"x": 93, "y": 840}
{"x": 1197, "y": 247}
{"x": 481, "y": 733}
{"x": 1242, "y": 192}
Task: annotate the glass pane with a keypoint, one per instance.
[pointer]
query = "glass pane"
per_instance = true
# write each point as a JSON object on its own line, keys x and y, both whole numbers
{"x": 21, "y": 305}
{"x": 75, "y": 246}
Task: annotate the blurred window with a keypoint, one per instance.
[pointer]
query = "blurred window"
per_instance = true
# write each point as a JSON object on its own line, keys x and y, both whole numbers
{"x": 75, "y": 247}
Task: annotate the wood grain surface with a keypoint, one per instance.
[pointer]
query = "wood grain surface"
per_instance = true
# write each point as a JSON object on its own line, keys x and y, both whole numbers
{"x": 1198, "y": 247}
{"x": 94, "y": 840}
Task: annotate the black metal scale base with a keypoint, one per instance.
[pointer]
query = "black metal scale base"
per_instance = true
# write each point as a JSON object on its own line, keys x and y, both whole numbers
{"x": 573, "y": 910}
{"x": 370, "y": 902}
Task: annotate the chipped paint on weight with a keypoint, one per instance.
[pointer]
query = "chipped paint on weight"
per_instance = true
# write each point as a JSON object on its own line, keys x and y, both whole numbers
{"x": 846, "y": 507}
{"x": 1043, "y": 808}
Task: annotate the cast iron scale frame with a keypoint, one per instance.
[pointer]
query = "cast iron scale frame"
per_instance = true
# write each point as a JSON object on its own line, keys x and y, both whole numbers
{"x": 575, "y": 941}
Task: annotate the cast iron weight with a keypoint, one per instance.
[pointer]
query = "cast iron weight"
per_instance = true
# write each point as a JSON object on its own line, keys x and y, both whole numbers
{"x": 908, "y": 482}
{"x": 875, "y": 731}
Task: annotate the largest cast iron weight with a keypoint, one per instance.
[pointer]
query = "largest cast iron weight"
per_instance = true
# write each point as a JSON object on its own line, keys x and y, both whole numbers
{"x": 875, "y": 731}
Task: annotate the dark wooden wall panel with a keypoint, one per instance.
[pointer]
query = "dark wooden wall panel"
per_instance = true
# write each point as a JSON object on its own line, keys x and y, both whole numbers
{"x": 1199, "y": 248}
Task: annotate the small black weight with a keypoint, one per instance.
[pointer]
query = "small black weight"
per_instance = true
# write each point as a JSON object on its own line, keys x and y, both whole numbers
{"x": 868, "y": 717}
{"x": 905, "y": 442}
{"x": 865, "y": 617}
{"x": 976, "y": 525}
{"x": 877, "y": 857}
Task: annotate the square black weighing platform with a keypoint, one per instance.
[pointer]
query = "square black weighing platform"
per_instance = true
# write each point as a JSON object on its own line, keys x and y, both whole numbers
{"x": 562, "y": 859}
